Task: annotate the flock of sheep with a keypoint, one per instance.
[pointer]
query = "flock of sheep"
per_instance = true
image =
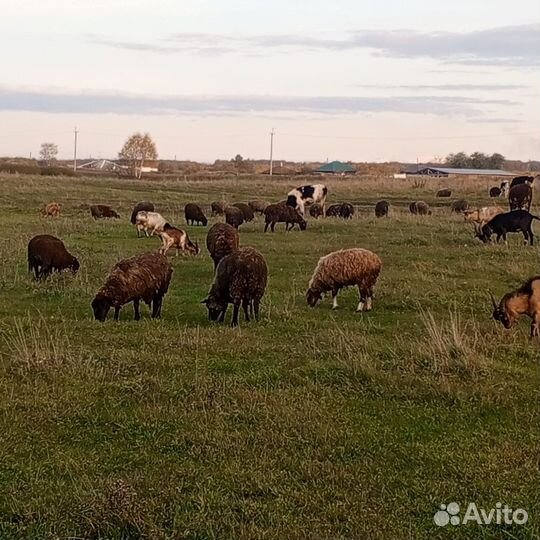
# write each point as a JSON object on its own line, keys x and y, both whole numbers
{"x": 241, "y": 273}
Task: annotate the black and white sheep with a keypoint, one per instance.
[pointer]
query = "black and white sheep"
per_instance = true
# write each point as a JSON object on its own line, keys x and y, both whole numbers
{"x": 194, "y": 214}
{"x": 240, "y": 280}
{"x": 47, "y": 254}
{"x": 143, "y": 277}
{"x": 283, "y": 213}
{"x": 344, "y": 268}
{"x": 221, "y": 240}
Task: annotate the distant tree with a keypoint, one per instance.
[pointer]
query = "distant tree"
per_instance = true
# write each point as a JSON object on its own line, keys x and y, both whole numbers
{"x": 479, "y": 161}
{"x": 136, "y": 150}
{"x": 458, "y": 161}
{"x": 496, "y": 161}
{"x": 48, "y": 152}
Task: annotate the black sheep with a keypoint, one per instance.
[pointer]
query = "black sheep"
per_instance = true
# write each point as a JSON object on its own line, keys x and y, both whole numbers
{"x": 47, "y": 254}
{"x": 194, "y": 214}
{"x": 140, "y": 207}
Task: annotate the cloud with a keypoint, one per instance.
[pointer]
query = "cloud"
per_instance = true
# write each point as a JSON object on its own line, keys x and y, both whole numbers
{"x": 506, "y": 45}
{"x": 126, "y": 103}
{"x": 444, "y": 87}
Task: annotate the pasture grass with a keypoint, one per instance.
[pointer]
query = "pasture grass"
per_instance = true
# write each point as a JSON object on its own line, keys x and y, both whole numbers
{"x": 313, "y": 423}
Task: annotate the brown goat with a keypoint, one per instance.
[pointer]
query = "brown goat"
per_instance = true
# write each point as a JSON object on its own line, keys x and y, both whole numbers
{"x": 47, "y": 254}
{"x": 51, "y": 210}
{"x": 221, "y": 240}
{"x": 522, "y": 301}
{"x": 173, "y": 237}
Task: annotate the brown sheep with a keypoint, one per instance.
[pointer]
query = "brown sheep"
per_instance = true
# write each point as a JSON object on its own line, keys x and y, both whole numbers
{"x": 173, "y": 237}
{"x": 246, "y": 210}
{"x": 444, "y": 192}
{"x": 47, "y": 254}
{"x": 143, "y": 277}
{"x": 283, "y": 213}
{"x": 459, "y": 206}
{"x": 218, "y": 208}
{"x": 420, "y": 207}
{"x": 100, "y": 211}
{"x": 340, "y": 210}
{"x": 381, "y": 209}
{"x": 495, "y": 192}
{"x": 341, "y": 269}
{"x": 316, "y": 210}
{"x": 51, "y": 210}
{"x": 139, "y": 207}
{"x": 234, "y": 216}
{"x": 258, "y": 206}
{"x": 221, "y": 240}
{"x": 240, "y": 279}
{"x": 194, "y": 214}
{"x": 520, "y": 197}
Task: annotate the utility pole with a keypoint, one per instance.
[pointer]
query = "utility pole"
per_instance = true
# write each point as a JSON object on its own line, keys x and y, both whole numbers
{"x": 75, "y": 132}
{"x": 271, "y": 151}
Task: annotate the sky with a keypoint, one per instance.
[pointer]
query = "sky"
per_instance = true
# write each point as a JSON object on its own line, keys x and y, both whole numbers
{"x": 208, "y": 79}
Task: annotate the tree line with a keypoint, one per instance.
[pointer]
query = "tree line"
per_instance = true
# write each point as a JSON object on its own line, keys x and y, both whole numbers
{"x": 477, "y": 160}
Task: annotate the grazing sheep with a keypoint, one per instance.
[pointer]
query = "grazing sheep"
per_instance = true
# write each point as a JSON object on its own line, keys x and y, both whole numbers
{"x": 341, "y": 210}
{"x": 143, "y": 206}
{"x": 522, "y": 301}
{"x": 51, "y": 210}
{"x": 234, "y": 216}
{"x": 258, "y": 206}
{"x": 459, "y": 206}
{"x": 283, "y": 213}
{"x": 381, "y": 209}
{"x": 143, "y": 277}
{"x": 519, "y": 180}
{"x": 316, "y": 210}
{"x": 495, "y": 192}
{"x": 240, "y": 279}
{"x": 173, "y": 237}
{"x": 344, "y": 268}
{"x": 149, "y": 221}
{"x": 47, "y": 254}
{"x": 444, "y": 193}
{"x": 221, "y": 240}
{"x": 218, "y": 208}
{"x": 420, "y": 207}
{"x": 520, "y": 197}
{"x": 194, "y": 213}
{"x": 101, "y": 211}
{"x": 246, "y": 210}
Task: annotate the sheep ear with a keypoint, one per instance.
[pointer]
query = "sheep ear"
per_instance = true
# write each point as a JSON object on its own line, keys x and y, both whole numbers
{"x": 205, "y": 301}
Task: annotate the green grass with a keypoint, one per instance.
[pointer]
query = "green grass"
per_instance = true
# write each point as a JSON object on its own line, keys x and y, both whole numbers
{"x": 313, "y": 423}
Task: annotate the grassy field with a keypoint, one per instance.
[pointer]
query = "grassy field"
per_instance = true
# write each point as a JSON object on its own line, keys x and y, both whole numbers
{"x": 313, "y": 423}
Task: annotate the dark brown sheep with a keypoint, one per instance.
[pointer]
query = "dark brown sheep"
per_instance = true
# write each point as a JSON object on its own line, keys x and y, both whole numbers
{"x": 246, "y": 210}
{"x": 316, "y": 210}
{"x": 221, "y": 240}
{"x": 258, "y": 206}
{"x": 194, "y": 214}
{"x": 283, "y": 213}
{"x": 218, "y": 208}
{"x": 101, "y": 211}
{"x": 240, "y": 279}
{"x": 459, "y": 206}
{"x": 495, "y": 192}
{"x": 47, "y": 254}
{"x": 139, "y": 207}
{"x": 520, "y": 197}
{"x": 143, "y": 277}
{"x": 381, "y": 209}
{"x": 234, "y": 216}
{"x": 420, "y": 207}
{"x": 340, "y": 210}
{"x": 444, "y": 192}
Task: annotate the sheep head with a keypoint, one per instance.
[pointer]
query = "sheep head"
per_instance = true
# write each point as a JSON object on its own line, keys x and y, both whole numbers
{"x": 313, "y": 297}
{"x": 215, "y": 307}
{"x": 101, "y": 306}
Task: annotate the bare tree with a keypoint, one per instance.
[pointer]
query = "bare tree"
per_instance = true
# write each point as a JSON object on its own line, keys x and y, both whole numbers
{"x": 136, "y": 150}
{"x": 48, "y": 152}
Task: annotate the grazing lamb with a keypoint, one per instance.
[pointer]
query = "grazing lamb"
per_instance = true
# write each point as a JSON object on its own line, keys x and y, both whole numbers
{"x": 381, "y": 209}
{"x": 47, "y": 254}
{"x": 194, "y": 213}
{"x": 234, "y": 216}
{"x": 173, "y": 237}
{"x": 102, "y": 211}
{"x": 143, "y": 277}
{"x": 51, "y": 210}
{"x": 303, "y": 196}
{"x": 444, "y": 193}
{"x": 240, "y": 279}
{"x": 283, "y": 213}
{"x": 481, "y": 216}
{"x": 344, "y": 268}
{"x": 420, "y": 208}
{"x": 246, "y": 210}
{"x": 495, "y": 192}
{"x": 143, "y": 206}
{"x": 522, "y": 301}
{"x": 460, "y": 206}
{"x": 520, "y": 197}
{"x": 218, "y": 208}
{"x": 258, "y": 206}
{"x": 514, "y": 221}
{"x": 149, "y": 221}
{"x": 316, "y": 210}
{"x": 221, "y": 240}
{"x": 341, "y": 210}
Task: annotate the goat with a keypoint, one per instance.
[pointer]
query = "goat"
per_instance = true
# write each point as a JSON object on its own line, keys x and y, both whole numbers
{"x": 515, "y": 221}
{"x": 173, "y": 237}
{"x": 149, "y": 221}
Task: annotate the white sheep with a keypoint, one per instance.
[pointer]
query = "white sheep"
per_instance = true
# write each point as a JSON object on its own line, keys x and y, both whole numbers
{"x": 149, "y": 221}
{"x": 344, "y": 268}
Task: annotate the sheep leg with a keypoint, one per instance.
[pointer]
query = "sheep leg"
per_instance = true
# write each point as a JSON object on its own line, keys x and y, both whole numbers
{"x": 116, "y": 312}
{"x": 334, "y": 298}
{"x": 361, "y": 294}
{"x": 255, "y": 308}
{"x": 266, "y": 226}
{"x": 245, "y": 307}
{"x": 136, "y": 310}
{"x": 236, "y": 308}
{"x": 156, "y": 307}
{"x": 272, "y": 226}
{"x": 222, "y": 315}
{"x": 534, "y": 325}
{"x": 531, "y": 237}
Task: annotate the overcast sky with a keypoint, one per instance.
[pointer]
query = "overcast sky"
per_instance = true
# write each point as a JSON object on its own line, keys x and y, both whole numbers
{"x": 349, "y": 79}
